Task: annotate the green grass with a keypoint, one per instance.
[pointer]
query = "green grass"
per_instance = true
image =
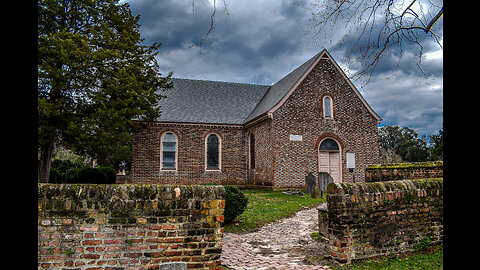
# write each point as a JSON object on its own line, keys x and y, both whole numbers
{"x": 425, "y": 260}
{"x": 265, "y": 206}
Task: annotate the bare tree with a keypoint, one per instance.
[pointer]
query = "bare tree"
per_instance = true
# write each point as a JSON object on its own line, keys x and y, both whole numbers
{"x": 212, "y": 20}
{"x": 373, "y": 27}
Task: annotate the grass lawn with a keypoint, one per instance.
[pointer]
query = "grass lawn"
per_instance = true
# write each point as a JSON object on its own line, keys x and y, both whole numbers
{"x": 265, "y": 206}
{"x": 431, "y": 258}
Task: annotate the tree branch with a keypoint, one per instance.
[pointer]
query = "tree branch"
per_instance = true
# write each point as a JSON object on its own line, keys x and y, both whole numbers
{"x": 435, "y": 19}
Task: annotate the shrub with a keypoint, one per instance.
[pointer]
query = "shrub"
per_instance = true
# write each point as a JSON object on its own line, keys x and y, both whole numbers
{"x": 235, "y": 203}
{"x": 100, "y": 175}
{"x": 110, "y": 174}
{"x": 65, "y": 171}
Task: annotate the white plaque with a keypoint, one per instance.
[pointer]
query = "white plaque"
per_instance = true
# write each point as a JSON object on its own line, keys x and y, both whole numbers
{"x": 296, "y": 138}
{"x": 350, "y": 160}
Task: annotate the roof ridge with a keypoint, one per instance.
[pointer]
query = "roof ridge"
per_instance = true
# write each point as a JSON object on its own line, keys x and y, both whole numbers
{"x": 221, "y": 82}
{"x": 301, "y": 69}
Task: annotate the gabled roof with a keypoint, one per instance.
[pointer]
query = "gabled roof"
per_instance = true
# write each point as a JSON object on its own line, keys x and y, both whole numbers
{"x": 198, "y": 101}
{"x": 275, "y": 94}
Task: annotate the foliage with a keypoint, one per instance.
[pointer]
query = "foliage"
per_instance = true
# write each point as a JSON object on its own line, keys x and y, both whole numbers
{"x": 404, "y": 145}
{"x": 436, "y": 149}
{"x": 235, "y": 203}
{"x": 266, "y": 206}
{"x": 65, "y": 171}
{"x": 428, "y": 259}
{"x": 62, "y": 171}
{"x": 93, "y": 78}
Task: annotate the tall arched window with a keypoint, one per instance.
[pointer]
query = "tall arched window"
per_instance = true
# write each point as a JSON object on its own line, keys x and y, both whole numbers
{"x": 327, "y": 107}
{"x": 252, "y": 151}
{"x": 169, "y": 151}
{"x": 213, "y": 152}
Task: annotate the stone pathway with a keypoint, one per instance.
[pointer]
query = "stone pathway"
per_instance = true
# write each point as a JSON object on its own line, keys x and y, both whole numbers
{"x": 278, "y": 245}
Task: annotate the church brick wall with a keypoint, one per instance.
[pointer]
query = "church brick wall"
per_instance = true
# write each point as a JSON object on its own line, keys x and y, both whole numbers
{"x": 302, "y": 114}
{"x": 263, "y": 172}
{"x": 191, "y": 155}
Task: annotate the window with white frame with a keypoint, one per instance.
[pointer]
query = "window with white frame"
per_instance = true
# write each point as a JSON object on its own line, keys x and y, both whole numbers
{"x": 169, "y": 151}
{"x": 327, "y": 107}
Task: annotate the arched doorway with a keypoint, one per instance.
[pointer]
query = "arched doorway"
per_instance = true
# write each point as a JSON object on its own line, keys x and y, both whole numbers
{"x": 330, "y": 158}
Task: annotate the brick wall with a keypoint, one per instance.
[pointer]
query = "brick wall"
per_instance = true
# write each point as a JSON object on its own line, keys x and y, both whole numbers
{"x": 100, "y": 227}
{"x": 302, "y": 114}
{"x": 191, "y": 155}
{"x": 371, "y": 219}
{"x": 263, "y": 172}
{"x": 398, "y": 171}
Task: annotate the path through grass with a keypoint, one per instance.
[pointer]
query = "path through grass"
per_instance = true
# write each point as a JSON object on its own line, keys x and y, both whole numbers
{"x": 265, "y": 206}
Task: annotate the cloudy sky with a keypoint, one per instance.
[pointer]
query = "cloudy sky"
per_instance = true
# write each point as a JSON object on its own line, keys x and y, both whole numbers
{"x": 260, "y": 42}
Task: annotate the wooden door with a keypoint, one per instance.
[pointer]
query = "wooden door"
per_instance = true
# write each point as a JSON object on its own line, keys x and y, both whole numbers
{"x": 330, "y": 162}
{"x": 323, "y": 162}
{"x": 334, "y": 166}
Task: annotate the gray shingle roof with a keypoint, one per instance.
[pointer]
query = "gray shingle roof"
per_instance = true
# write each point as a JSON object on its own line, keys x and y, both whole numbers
{"x": 201, "y": 101}
{"x": 209, "y": 101}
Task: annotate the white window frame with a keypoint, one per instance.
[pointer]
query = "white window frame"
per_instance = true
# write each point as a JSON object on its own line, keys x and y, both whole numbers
{"x": 161, "y": 152}
{"x": 331, "y": 106}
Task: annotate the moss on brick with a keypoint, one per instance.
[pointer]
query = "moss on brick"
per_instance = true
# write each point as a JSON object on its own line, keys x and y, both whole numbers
{"x": 379, "y": 187}
{"x": 427, "y": 164}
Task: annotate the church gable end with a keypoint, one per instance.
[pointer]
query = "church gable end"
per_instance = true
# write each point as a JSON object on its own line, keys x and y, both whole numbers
{"x": 300, "y": 121}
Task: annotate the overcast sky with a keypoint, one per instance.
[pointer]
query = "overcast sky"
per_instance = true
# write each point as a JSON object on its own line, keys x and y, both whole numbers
{"x": 260, "y": 42}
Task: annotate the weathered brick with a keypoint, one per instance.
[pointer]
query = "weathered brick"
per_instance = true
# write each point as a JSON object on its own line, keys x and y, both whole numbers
{"x": 115, "y": 245}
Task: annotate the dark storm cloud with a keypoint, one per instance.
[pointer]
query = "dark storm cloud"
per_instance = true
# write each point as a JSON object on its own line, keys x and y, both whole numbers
{"x": 262, "y": 41}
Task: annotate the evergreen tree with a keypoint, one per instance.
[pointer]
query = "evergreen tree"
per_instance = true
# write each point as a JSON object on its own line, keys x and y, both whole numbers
{"x": 94, "y": 76}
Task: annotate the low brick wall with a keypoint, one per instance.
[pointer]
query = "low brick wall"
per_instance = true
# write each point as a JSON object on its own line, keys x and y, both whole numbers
{"x": 135, "y": 227}
{"x": 401, "y": 171}
{"x": 371, "y": 219}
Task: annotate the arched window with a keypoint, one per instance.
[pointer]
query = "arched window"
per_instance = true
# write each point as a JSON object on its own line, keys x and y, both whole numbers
{"x": 252, "y": 151}
{"x": 327, "y": 107}
{"x": 213, "y": 152}
{"x": 169, "y": 151}
{"x": 329, "y": 145}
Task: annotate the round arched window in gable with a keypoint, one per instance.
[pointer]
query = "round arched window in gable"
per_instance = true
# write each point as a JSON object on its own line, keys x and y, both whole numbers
{"x": 329, "y": 145}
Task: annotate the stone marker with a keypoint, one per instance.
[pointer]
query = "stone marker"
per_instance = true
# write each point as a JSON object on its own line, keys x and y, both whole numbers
{"x": 324, "y": 179}
{"x": 311, "y": 183}
{"x": 317, "y": 194}
{"x": 173, "y": 266}
{"x": 323, "y": 219}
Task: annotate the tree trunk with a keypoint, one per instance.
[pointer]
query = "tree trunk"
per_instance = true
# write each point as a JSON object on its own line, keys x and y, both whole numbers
{"x": 46, "y": 151}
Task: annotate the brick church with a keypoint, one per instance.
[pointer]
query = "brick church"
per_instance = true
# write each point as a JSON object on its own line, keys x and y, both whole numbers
{"x": 312, "y": 120}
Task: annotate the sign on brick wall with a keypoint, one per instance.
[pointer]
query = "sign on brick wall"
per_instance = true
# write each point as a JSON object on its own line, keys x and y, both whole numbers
{"x": 296, "y": 138}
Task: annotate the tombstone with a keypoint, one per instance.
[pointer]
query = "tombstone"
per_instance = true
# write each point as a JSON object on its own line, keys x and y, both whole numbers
{"x": 323, "y": 180}
{"x": 173, "y": 266}
{"x": 311, "y": 183}
{"x": 317, "y": 194}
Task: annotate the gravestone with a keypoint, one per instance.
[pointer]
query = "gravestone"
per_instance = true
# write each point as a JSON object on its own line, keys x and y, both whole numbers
{"x": 324, "y": 179}
{"x": 173, "y": 266}
{"x": 311, "y": 183}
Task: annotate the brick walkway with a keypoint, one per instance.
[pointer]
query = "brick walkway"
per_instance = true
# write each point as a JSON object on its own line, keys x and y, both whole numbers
{"x": 278, "y": 245}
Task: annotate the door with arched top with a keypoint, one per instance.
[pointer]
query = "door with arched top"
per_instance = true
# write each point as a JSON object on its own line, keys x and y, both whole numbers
{"x": 329, "y": 159}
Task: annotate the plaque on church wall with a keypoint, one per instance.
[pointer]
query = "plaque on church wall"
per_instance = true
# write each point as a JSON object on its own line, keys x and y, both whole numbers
{"x": 350, "y": 160}
{"x": 297, "y": 138}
